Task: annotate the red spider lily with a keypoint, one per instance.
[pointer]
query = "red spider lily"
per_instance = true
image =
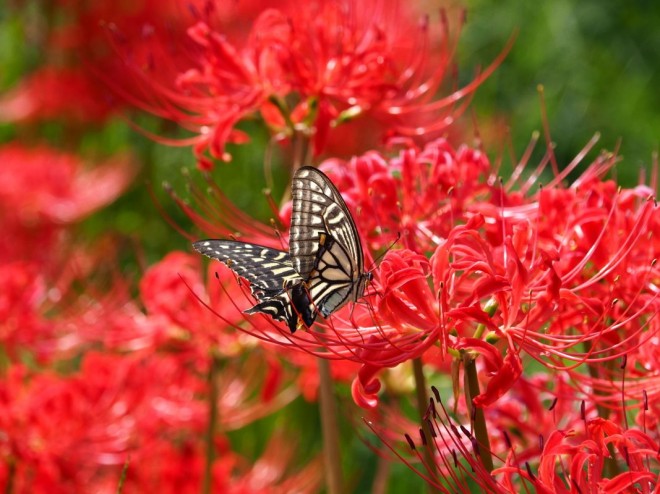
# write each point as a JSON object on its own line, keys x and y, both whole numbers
{"x": 60, "y": 432}
{"x": 568, "y": 462}
{"x": 531, "y": 411}
{"x": 44, "y": 315}
{"x": 306, "y": 69}
{"x": 46, "y": 95}
{"x": 520, "y": 271}
{"x": 42, "y": 193}
{"x": 419, "y": 194}
{"x": 563, "y": 275}
{"x": 22, "y": 292}
{"x": 171, "y": 291}
{"x": 583, "y": 454}
{"x": 78, "y": 431}
{"x": 42, "y": 189}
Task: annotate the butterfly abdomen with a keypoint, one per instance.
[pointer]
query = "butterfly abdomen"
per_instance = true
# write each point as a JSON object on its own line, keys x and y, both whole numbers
{"x": 293, "y": 306}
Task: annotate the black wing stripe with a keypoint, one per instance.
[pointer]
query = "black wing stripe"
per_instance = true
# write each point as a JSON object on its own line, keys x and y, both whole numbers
{"x": 319, "y": 208}
{"x": 265, "y": 268}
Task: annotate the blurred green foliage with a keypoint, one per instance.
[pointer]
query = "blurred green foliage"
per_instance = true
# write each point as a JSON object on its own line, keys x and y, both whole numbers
{"x": 597, "y": 61}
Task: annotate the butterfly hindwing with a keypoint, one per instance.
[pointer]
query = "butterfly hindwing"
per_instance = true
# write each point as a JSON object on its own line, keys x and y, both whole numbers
{"x": 292, "y": 306}
{"x": 330, "y": 286}
{"x": 274, "y": 282}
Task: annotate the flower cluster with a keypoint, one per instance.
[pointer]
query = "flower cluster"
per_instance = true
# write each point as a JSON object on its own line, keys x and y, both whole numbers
{"x": 305, "y": 71}
{"x": 528, "y": 304}
{"x": 142, "y": 404}
{"x": 141, "y": 414}
{"x": 570, "y": 449}
{"x": 100, "y": 386}
{"x": 564, "y": 276}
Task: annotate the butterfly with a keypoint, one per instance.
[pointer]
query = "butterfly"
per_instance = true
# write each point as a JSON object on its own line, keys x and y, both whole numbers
{"x": 324, "y": 268}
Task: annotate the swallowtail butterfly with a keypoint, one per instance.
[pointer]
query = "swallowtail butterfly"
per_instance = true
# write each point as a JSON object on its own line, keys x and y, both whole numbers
{"x": 324, "y": 268}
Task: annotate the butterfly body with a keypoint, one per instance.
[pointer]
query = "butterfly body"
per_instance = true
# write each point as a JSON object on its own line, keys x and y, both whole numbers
{"x": 323, "y": 269}
{"x": 292, "y": 305}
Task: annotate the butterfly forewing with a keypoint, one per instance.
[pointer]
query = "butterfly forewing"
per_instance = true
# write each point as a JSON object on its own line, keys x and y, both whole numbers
{"x": 318, "y": 208}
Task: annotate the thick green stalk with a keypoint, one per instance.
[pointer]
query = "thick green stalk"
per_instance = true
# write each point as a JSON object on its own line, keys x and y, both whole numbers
{"x": 122, "y": 477}
{"x": 480, "y": 429}
{"x": 329, "y": 429}
{"x": 422, "y": 406}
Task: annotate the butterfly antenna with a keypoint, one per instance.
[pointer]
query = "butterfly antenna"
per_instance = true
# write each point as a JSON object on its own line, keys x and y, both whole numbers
{"x": 382, "y": 254}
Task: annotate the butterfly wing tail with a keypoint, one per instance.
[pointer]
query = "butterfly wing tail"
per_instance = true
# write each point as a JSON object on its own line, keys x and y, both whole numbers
{"x": 292, "y": 306}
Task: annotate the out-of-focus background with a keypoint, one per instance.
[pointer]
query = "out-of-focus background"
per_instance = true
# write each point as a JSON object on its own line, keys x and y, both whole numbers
{"x": 597, "y": 62}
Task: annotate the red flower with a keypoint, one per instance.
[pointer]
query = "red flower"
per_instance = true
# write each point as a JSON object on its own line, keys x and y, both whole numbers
{"x": 534, "y": 449}
{"x": 41, "y": 190}
{"x": 22, "y": 293}
{"x": 543, "y": 275}
{"x": 47, "y": 94}
{"x": 586, "y": 459}
{"x": 419, "y": 194}
{"x": 306, "y": 69}
{"x": 70, "y": 434}
{"x": 76, "y": 53}
{"x": 173, "y": 293}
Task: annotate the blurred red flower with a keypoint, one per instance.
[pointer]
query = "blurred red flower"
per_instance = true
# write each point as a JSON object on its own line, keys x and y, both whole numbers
{"x": 76, "y": 54}
{"x": 43, "y": 190}
{"x": 69, "y": 434}
{"x": 305, "y": 70}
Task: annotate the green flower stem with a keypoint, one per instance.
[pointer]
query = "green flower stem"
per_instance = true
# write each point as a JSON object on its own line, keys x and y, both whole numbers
{"x": 122, "y": 476}
{"x": 329, "y": 429}
{"x": 480, "y": 429}
{"x": 209, "y": 439}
